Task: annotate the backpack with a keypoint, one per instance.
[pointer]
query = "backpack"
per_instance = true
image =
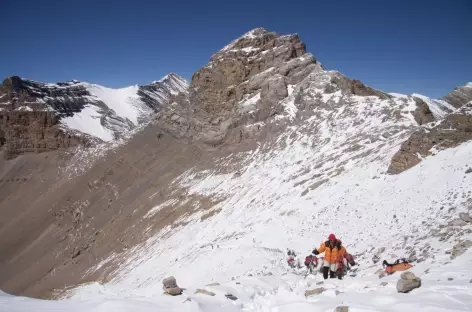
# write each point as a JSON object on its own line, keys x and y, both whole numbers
{"x": 311, "y": 260}
{"x": 350, "y": 259}
{"x": 398, "y": 265}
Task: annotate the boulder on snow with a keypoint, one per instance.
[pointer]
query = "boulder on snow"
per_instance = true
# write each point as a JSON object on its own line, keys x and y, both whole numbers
{"x": 315, "y": 291}
{"x": 231, "y": 297}
{"x": 375, "y": 258}
{"x": 407, "y": 282}
{"x": 380, "y": 250}
{"x": 169, "y": 284}
{"x": 459, "y": 248}
{"x": 468, "y": 170}
{"x": 381, "y": 273}
{"x": 204, "y": 292}
{"x": 342, "y": 309}
{"x": 465, "y": 217}
{"x": 457, "y": 222}
{"x": 214, "y": 284}
{"x": 383, "y": 284}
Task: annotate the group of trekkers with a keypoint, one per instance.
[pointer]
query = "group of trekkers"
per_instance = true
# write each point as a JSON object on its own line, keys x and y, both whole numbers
{"x": 337, "y": 261}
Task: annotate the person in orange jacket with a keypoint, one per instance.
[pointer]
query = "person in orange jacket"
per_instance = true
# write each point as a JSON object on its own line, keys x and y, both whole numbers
{"x": 333, "y": 253}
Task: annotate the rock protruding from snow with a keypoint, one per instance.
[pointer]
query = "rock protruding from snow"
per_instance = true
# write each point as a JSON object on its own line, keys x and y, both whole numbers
{"x": 460, "y": 248}
{"x": 204, "y": 292}
{"x": 375, "y": 259}
{"x": 422, "y": 113}
{"x": 231, "y": 297}
{"x": 407, "y": 282}
{"x": 455, "y": 129}
{"x": 315, "y": 291}
{"x": 169, "y": 284}
{"x": 465, "y": 217}
{"x": 342, "y": 309}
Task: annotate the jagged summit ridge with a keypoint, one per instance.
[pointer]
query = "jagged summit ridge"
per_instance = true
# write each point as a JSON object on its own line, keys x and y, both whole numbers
{"x": 254, "y": 33}
{"x": 241, "y": 85}
{"x": 173, "y": 82}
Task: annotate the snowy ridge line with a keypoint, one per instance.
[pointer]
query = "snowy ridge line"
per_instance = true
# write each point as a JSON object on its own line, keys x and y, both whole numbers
{"x": 94, "y": 110}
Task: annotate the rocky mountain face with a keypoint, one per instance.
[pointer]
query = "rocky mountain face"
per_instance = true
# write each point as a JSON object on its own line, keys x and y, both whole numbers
{"x": 41, "y": 116}
{"x": 460, "y": 96}
{"x": 241, "y": 85}
{"x": 35, "y": 131}
{"x": 454, "y": 129}
{"x": 261, "y": 126}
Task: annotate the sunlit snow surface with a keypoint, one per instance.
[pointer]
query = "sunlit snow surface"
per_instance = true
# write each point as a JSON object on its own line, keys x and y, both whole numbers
{"x": 264, "y": 213}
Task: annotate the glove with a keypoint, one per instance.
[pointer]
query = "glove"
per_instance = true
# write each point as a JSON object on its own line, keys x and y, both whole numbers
{"x": 316, "y": 252}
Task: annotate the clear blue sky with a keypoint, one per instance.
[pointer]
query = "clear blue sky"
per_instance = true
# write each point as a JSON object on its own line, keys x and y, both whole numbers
{"x": 396, "y": 46}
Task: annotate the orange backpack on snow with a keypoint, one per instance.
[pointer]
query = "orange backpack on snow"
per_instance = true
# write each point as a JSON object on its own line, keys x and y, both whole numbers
{"x": 399, "y": 265}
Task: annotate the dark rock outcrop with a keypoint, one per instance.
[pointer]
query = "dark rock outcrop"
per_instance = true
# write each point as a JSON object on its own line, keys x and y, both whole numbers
{"x": 455, "y": 129}
{"x": 422, "y": 113}
{"x": 64, "y": 98}
{"x": 460, "y": 96}
{"x": 356, "y": 87}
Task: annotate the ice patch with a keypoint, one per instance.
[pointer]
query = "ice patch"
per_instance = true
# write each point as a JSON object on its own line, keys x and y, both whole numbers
{"x": 88, "y": 121}
{"x": 121, "y": 101}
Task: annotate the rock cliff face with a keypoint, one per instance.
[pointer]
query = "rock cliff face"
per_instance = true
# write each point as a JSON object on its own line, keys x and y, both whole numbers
{"x": 35, "y": 131}
{"x": 455, "y": 129}
{"x": 460, "y": 95}
{"x": 242, "y": 84}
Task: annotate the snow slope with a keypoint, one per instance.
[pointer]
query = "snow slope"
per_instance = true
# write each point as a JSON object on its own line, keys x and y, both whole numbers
{"x": 325, "y": 173}
{"x": 439, "y": 108}
{"x": 122, "y": 101}
{"x": 124, "y": 108}
{"x": 251, "y": 241}
{"x": 88, "y": 121}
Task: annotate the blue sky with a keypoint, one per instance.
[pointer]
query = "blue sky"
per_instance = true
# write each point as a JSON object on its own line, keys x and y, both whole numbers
{"x": 396, "y": 46}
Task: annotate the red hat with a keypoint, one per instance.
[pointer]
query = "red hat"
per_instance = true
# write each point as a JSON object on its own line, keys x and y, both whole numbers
{"x": 332, "y": 237}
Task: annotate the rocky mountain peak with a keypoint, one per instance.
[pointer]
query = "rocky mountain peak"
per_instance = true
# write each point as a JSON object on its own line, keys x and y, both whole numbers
{"x": 460, "y": 95}
{"x": 173, "y": 82}
{"x": 255, "y": 69}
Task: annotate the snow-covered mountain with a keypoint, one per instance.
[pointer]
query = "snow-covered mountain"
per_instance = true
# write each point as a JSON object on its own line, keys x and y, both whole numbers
{"x": 267, "y": 150}
{"x": 99, "y": 112}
